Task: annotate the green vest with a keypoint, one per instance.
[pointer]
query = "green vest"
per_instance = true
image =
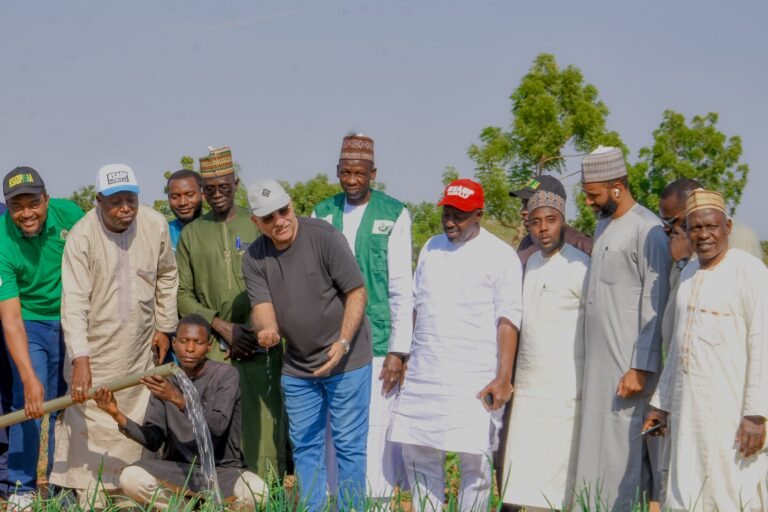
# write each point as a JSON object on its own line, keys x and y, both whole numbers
{"x": 371, "y": 243}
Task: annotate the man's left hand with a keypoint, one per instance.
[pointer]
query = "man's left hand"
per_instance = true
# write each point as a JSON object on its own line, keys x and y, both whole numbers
{"x": 163, "y": 389}
{"x": 751, "y": 435}
{"x": 500, "y": 389}
{"x": 160, "y": 345}
{"x": 631, "y": 383}
{"x": 335, "y": 353}
{"x": 392, "y": 372}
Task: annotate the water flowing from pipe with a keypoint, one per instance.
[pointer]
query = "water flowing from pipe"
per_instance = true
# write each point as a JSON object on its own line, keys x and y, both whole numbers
{"x": 194, "y": 412}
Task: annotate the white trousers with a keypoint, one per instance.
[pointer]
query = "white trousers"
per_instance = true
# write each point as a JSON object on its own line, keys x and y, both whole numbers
{"x": 425, "y": 469}
{"x": 139, "y": 485}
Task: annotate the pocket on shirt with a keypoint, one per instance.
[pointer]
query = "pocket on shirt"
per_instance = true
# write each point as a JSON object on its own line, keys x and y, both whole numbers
{"x": 146, "y": 284}
{"x": 150, "y": 276}
{"x": 379, "y": 246}
{"x": 712, "y": 326}
{"x": 614, "y": 270}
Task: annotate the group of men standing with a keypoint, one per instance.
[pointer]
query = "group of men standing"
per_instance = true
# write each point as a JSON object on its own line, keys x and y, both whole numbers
{"x": 373, "y": 372}
{"x": 597, "y": 331}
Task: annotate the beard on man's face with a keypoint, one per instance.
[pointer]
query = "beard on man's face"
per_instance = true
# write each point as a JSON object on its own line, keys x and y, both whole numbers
{"x": 607, "y": 210}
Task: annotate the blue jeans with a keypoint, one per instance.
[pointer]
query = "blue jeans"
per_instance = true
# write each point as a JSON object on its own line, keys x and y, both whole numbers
{"x": 309, "y": 402}
{"x": 6, "y": 399}
{"x": 46, "y": 350}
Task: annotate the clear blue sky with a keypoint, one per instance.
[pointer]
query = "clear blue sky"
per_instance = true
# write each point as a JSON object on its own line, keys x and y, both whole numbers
{"x": 89, "y": 83}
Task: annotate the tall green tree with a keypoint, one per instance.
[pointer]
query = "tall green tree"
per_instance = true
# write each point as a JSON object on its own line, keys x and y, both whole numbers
{"x": 553, "y": 111}
{"x": 85, "y": 197}
{"x": 697, "y": 150}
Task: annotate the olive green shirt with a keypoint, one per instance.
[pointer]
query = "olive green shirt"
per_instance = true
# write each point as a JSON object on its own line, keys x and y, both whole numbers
{"x": 210, "y": 260}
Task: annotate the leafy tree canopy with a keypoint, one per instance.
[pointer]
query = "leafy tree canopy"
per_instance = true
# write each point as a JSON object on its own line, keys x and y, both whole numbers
{"x": 85, "y": 197}
{"x": 697, "y": 150}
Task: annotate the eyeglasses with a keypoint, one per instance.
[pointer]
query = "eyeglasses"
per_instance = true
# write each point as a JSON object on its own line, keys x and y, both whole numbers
{"x": 282, "y": 213}
{"x": 669, "y": 222}
{"x": 222, "y": 189}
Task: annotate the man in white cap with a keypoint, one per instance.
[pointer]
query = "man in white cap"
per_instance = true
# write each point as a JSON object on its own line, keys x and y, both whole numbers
{"x": 626, "y": 292}
{"x": 118, "y": 307}
{"x": 714, "y": 385}
{"x": 305, "y": 286}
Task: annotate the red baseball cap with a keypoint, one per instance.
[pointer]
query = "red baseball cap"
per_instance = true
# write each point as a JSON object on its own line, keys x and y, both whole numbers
{"x": 466, "y": 195}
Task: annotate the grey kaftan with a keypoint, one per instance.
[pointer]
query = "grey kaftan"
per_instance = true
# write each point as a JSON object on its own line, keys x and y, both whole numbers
{"x": 627, "y": 289}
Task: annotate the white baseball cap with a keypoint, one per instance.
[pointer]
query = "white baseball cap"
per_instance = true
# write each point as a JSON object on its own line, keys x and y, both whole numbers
{"x": 114, "y": 178}
{"x": 267, "y": 196}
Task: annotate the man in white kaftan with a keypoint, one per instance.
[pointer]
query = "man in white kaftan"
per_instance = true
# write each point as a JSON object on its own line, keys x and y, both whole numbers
{"x": 627, "y": 289}
{"x": 714, "y": 387}
{"x": 543, "y": 433}
{"x": 119, "y": 286}
{"x": 467, "y": 294}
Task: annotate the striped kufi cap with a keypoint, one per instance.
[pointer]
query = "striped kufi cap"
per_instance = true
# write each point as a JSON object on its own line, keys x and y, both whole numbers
{"x": 217, "y": 163}
{"x": 603, "y": 164}
{"x": 357, "y": 147}
{"x": 701, "y": 199}
{"x": 545, "y": 198}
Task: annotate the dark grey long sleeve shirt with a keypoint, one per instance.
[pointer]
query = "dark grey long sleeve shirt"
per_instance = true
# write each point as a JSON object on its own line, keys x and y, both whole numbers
{"x": 166, "y": 427}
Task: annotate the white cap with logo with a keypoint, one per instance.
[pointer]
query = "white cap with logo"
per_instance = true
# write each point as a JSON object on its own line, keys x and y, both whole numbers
{"x": 267, "y": 196}
{"x": 114, "y": 178}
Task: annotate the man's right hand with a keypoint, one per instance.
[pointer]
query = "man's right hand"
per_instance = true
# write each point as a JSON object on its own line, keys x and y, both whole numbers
{"x": 679, "y": 246}
{"x": 656, "y": 417}
{"x": 268, "y": 338}
{"x": 34, "y": 394}
{"x": 225, "y": 329}
{"x": 105, "y": 400}
{"x": 81, "y": 379}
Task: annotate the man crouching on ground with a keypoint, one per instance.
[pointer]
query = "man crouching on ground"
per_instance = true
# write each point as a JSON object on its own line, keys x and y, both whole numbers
{"x": 166, "y": 425}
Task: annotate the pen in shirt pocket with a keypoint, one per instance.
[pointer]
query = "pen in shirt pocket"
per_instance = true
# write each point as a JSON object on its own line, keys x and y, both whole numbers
{"x": 237, "y": 243}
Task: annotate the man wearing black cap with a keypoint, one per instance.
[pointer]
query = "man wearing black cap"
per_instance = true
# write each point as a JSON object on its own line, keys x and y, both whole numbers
{"x": 572, "y": 235}
{"x": 32, "y": 235}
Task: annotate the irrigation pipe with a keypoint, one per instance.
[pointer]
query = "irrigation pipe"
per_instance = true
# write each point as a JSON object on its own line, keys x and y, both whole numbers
{"x": 116, "y": 385}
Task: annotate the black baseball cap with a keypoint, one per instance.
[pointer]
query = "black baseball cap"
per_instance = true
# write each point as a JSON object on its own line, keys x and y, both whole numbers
{"x": 22, "y": 180}
{"x": 544, "y": 182}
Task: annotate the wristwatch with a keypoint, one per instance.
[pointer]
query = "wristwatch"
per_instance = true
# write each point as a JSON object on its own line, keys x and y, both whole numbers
{"x": 680, "y": 264}
{"x": 346, "y": 344}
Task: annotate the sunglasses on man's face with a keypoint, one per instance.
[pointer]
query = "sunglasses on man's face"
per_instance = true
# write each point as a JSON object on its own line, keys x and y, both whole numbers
{"x": 669, "y": 222}
{"x": 282, "y": 212}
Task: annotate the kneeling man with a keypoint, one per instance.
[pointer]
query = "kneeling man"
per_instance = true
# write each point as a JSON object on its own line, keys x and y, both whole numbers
{"x": 166, "y": 425}
{"x": 714, "y": 386}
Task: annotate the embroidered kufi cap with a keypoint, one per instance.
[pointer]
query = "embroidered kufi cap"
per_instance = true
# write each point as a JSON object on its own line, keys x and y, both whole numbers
{"x": 546, "y": 198}
{"x": 701, "y": 199}
{"x": 217, "y": 163}
{"x": 603, "y": 164}
{"x": 357, "y": 147}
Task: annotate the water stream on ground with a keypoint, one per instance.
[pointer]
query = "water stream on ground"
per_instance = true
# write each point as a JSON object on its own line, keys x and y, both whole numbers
{"x": 194, "y": 411}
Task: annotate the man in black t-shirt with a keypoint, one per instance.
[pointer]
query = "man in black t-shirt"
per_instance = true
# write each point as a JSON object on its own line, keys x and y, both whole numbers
{"x": 305, "y": 286}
